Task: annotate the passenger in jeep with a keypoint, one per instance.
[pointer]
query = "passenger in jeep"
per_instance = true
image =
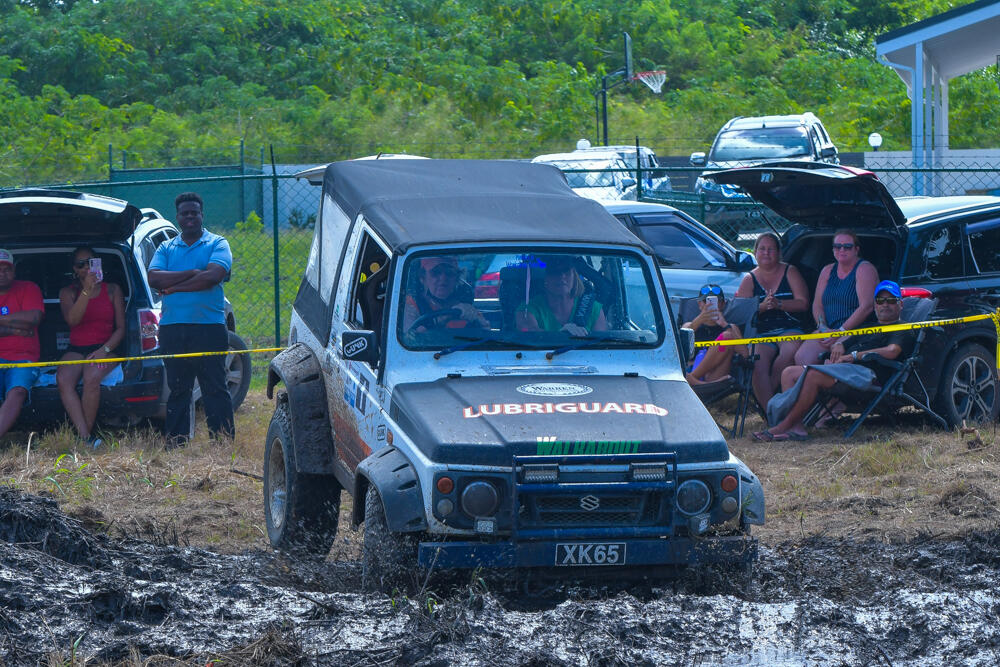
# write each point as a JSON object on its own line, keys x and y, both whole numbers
{"x": 95, "y": 313}
{"x": 565, "y": 304}
{"x": 441, "y": 291}
{"x": 21, "y": 311}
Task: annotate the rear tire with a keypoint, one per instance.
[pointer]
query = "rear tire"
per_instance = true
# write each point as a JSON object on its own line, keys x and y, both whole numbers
{"x": 969, "y": 388}
{"x": 239, "y": 370}
{"x": 301, "y": 511}
{"x": 389, "y": 559}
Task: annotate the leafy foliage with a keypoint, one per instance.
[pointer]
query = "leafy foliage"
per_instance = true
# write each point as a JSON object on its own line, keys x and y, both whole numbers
{"x": 172, "y": 81}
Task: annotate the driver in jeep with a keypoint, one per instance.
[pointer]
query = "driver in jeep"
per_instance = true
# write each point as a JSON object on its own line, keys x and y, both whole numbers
{"x": 441, "y": 291}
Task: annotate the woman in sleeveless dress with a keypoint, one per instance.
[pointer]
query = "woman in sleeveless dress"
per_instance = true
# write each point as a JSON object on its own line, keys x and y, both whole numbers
{"x": 95, "y": 313}
{"x": 845, "y": 295}
{"x": 783, "y": 296}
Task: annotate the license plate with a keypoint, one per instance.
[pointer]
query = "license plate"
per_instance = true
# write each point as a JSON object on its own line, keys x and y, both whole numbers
{"x": 590, "y": 553}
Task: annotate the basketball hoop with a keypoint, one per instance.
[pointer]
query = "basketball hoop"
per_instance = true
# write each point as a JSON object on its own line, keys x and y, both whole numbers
{"x": 654, "y": 79}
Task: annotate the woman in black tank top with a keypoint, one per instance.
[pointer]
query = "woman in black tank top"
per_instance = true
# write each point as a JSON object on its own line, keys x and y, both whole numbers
{"x": 783, "y": 297}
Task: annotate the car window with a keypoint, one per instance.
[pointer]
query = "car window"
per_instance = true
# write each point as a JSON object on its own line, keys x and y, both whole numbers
{"x": 676, "y": 247}
{"x": 934, "y": 254}
{"x": 984, "y": 240}
{"x": 147, "y": 248}
{"x": 816, "y": 141}
{"x": 780, "y": 142}
{"x": 369, "y": 286}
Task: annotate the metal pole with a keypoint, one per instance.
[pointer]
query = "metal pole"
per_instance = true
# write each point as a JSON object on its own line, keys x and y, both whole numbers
{"x": 274, "y": 235}
{"x": 243, "y": 194}
{"x": 604, "y": 107}
{"x": 111, "y": 158}
{"x": 638, "y": 170}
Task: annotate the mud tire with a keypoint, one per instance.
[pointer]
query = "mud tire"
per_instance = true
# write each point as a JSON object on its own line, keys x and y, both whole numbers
{"x": 388, "y": 559}
{"x": 301, "y": 511}
{"x": 239, "y": 370}
{"x": 969, "y": 389}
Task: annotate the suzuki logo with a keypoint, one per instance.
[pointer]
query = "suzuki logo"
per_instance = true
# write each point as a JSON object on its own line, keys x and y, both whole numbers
{"x": 590, "y": 503}
{"x": 766, "y": 177}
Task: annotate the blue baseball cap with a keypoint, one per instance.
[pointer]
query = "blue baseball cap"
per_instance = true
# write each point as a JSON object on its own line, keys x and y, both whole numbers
{"x": 890, "y": 287}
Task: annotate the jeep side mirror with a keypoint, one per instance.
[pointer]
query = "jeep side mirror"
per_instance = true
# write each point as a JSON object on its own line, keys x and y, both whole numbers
{"x": 359, "y": 346}
{"x": 829, "y": 151}
{"x": 687, "y": 346}
{"x": 745, "y": 261}
{"x": 698, "y": 159}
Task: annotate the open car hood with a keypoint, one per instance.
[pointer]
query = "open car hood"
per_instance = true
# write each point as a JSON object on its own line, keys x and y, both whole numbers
{"x": 816, "y": 194}
{"x": 45, "y": 216}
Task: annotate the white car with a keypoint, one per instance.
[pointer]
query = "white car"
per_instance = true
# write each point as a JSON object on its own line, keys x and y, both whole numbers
{"x": 600, "y": 175}
{"x": 654, "y": 179}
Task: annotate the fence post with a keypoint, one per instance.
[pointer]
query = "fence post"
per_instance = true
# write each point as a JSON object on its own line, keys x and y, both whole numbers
{"x": 111, "y": 164}
{"x": 274, "y": 226}
{"x": 638, "y": 171}
{"x": 243, "y": 194}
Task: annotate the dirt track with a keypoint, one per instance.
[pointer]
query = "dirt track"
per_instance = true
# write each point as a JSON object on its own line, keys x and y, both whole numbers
{"x": 815, "y": 601}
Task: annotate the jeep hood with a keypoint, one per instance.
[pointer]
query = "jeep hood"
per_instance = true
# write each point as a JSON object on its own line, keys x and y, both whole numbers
{"x": 46, "y": 216}
{"x": 818, "y": 195}
{"x": 487, "y": 420}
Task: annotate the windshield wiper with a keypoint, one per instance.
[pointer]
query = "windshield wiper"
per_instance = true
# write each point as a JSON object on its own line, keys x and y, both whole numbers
{"x": 473, "y": 341}
{"x": 585, "y": 341}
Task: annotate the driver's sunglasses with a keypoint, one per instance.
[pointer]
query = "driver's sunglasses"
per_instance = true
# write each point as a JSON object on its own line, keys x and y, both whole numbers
{"x": 711, "y": 289}
{"x": 882, "y": 300}
{"x": 444, "y": 270}
{"x": 843, "y": 246}
{"x": 80, "y": 263}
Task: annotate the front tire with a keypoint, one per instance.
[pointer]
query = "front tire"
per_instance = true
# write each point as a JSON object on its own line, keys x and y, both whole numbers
{"x": 389, "y": 559}
{"x": 969, "y": 387}
{"x": 301, "y": 511}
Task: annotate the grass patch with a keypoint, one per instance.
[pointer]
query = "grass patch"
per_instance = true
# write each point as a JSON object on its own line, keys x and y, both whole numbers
{"x": 884, "y": 457}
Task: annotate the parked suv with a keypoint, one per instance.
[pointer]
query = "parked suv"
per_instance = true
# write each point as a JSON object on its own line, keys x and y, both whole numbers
{"x": 745, "y": 142}
{"x": 42, "y": 228}
{"x": 465, "y": 438}
{"x": 947, "y": 248}
{"x": 594, "y": 175}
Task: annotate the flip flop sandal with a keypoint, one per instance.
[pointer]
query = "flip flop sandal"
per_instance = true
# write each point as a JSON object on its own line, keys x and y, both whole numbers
{"x": 764, "y": 436}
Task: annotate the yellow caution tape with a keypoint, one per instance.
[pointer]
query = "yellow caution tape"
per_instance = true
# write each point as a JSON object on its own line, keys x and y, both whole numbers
{"x": 908, "y": 326}
{"x": 116, "y": 360}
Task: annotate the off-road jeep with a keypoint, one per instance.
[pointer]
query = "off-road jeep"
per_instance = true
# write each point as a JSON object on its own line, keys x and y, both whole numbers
{"x": 469, "y": 432}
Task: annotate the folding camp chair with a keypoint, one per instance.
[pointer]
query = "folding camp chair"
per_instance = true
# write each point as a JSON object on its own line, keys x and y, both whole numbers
{"x": 904, "y": 387}
{"x": 741, "y": 312}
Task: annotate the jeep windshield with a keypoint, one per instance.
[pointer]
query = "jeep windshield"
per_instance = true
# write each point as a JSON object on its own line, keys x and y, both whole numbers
{"x": 760, "y": 144}
{"x": 533, "y": 298}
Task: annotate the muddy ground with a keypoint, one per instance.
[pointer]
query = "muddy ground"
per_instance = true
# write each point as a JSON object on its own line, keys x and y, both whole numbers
{"x": 67, "y": 594}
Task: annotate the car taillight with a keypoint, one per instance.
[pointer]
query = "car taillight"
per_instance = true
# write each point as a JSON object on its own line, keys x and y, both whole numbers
{"x": 916, "y": 291}
{"x": 149, "y": 329}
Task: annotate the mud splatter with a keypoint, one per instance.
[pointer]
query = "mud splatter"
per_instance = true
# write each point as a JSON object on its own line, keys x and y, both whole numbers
{"x": 829, "y": 601}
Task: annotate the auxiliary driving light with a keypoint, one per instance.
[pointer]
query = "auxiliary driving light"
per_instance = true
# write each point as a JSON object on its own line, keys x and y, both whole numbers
{"x": 693, "y": 497}
{"x": 649, "y": 472}
{"x": 445, "y": 507}
{"x": 480, "y": 499}
{"x": 534, "y": 473}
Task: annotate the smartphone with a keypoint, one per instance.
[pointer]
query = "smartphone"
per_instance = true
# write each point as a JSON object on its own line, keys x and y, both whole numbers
{"x": 712, "y": 301}
{"x": 95, "y": 268}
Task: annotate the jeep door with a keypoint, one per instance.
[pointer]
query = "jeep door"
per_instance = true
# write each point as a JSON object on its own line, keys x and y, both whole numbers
{"x": 354, "y": 394}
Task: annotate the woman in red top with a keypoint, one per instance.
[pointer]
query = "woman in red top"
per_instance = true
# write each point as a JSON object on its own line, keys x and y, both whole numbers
{"x": 95, "y": 313}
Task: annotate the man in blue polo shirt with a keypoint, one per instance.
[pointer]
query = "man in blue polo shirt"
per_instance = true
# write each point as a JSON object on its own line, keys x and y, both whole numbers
{"x": 188, "y": 271}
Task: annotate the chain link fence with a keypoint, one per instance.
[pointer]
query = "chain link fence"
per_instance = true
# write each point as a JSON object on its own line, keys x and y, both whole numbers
{"x": 268, "y": 216}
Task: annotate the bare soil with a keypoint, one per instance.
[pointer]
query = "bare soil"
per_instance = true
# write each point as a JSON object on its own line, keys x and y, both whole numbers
{"x": 880, "y": 550}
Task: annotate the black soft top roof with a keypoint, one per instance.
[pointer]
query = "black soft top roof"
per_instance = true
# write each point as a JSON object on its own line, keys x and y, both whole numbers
{"x": 417, "y": 202}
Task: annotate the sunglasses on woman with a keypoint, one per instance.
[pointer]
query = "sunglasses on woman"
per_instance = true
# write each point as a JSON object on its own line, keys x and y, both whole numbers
{"x": 711, "y": 289}
{"x": 80, "y": 263}
{"x": 843, "y": 246}
{"x": 882, "y": 300}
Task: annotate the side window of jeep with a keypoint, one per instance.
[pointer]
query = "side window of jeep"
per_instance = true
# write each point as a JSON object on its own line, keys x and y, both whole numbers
{"x": 368, "y": 281}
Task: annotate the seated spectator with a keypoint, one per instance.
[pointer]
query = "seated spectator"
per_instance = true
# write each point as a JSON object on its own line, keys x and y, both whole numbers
{"x": 802, "y": 384}
{"x": 95, "y": 313}
{"x": 21, "y": 311}
{"x": 712, "y": 364}
{"x": 843, "y": 297}
{"x": 783, "y": 296}
{"x": 564, "y": 304}
{"x": 440, "y": 291}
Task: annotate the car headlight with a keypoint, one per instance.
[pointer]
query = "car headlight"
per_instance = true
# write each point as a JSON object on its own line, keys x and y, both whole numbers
{"x": 480, "y": 499}
{"x": 693, "y": 497}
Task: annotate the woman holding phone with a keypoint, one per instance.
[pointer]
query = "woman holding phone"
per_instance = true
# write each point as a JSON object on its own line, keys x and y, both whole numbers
{"x": 95, "y": 313}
